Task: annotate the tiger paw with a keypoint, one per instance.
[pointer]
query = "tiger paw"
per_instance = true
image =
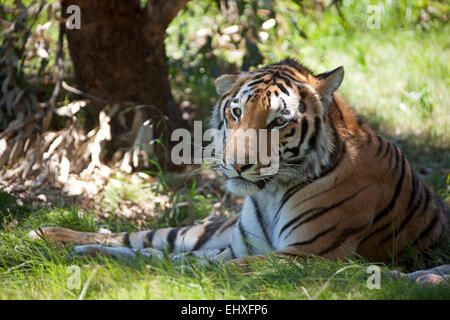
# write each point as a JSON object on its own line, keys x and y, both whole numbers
{"x": 434, "y": 276}
{"x": 96, "y": 250}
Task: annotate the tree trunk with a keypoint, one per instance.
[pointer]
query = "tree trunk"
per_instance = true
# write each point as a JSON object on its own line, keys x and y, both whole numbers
{"x": 119, "y": 55}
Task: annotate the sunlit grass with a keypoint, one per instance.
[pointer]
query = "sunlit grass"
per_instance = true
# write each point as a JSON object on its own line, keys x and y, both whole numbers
{"x": 32, "y": 270}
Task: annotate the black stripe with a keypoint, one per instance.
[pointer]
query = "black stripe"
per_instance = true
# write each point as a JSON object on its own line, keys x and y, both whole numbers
{"x": 289, "y": 73}
{"x": 426, "y": 232}
{"x": 291, "y": 77}
{"x": 411, "y": 213}
{"x": 321, "y": 234}
{"x": 210, "y": 229}
{"x": 319, "y": 212}
{"x": 337, "y": 155}
{"x": 369, "y": 136}
{"x": 414, "y": 185}
{"x": 185, "y": 230}
{"x": 396, "y": 151}
{"x": 390, "y": 159}
{"x": 251, "y": 84}
{"x": 347, "y": 233}
{"x": 285, "y": 79}
{"x": 380, "y": 146}
{"x": 244, "y": 237}
{"x": 126, "y": 240}
{"x": 261, "y": 74}
{"x": 388, "y": 150}
{"x": 224, "y": 110}
{"x": 222, "y": 98}
{"x": 316, "y": 195}
{"x": 412, "y": 210}
{"x": 289, "y": 193}
{"x": 382, "y": 228}
{"x": 284, "y": 107}
{"x": 397, "y": 191}
{"x": 416, "y": 206}
{"x": 233, "y": 255}
{"x": 279, "y": 75}
{"x": 182, "y": 234}
{"x": 256, "y": 81}
{"x": 282, "y": 88}
{"x": 150, "y": 235}
{"x": 227, "y": 224}
{"x": 260, "y": 218}
{"x": 359, "y": 119}
{"x": 296, "y": 150}
{"x": 304, "y": 130}
{"x": 290, "y": 133}
{"x": 171, "y": 237}
{"x": 294, "y": 220}
{"x": 314, "y": 136}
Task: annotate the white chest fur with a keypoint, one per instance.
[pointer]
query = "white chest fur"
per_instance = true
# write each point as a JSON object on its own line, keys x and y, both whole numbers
{"x": 261, "y": 220}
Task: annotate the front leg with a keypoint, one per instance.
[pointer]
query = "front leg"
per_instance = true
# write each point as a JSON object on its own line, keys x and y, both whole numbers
{"x": 125, "y": 253}
{"x": 209, "y": 235}
{"x": 432, "y": 276}
{"x": 129, "y": 254}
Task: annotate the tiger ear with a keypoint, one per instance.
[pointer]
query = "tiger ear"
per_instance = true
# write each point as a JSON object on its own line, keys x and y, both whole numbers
{"x": 329, "y": 81}
{"x": 225, "y": 82}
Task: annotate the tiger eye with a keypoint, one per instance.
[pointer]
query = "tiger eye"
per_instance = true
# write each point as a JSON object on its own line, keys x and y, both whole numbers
{"x": 279, "y": 121}
{"x": 237, "y": 112}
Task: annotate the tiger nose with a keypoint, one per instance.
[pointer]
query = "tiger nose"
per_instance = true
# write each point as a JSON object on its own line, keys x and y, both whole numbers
{"x": 241, "y": 167}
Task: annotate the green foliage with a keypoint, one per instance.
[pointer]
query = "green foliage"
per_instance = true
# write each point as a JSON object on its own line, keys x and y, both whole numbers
{"x": 72, "y": 218}
{"x": 187, "y": 203}
{"x": 25, "y": 56}
{"x": 10, "y": 211}
{"x": 420, "y": 101}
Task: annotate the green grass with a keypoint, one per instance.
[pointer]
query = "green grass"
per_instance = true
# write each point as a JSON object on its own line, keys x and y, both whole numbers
{"x": 397, "y": 77}
{"x": 31, "y": 269}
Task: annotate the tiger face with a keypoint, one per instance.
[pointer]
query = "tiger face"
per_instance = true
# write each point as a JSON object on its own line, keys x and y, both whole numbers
{"x": 286, "y": 102}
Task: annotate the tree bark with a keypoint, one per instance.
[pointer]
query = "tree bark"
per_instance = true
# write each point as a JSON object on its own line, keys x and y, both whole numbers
{"x": 119, "y": 55}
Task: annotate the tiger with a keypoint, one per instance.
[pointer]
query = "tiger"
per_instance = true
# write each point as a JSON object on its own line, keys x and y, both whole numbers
{"x": 341, "y": 190}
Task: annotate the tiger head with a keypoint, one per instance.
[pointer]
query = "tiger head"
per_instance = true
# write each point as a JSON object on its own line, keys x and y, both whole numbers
{"x": 287, "y": 101}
